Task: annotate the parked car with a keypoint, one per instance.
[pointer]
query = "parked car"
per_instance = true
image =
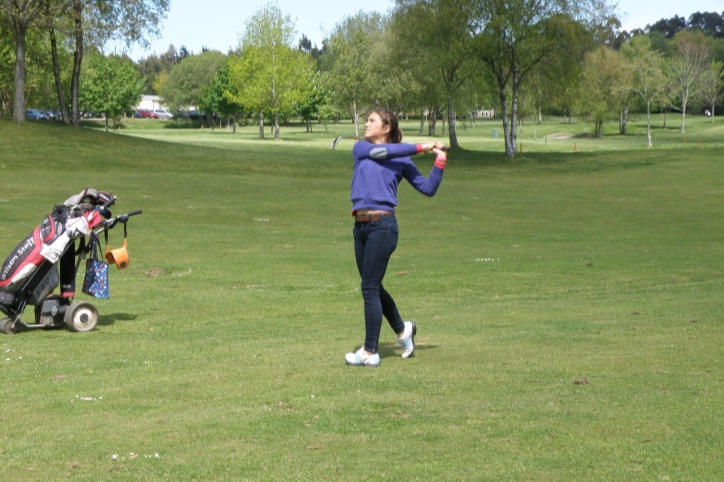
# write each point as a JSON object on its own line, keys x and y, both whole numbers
{"x": 163, "y": 114}
{"x": 146, "y": 114}
{"x": 33, "y": 114}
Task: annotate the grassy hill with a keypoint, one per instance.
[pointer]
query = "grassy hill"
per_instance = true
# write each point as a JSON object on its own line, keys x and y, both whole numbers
{"x": 568, "y": 302}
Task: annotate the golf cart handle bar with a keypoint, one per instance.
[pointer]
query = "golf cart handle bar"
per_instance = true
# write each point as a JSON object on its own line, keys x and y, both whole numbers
{"x": 124, "y": 217}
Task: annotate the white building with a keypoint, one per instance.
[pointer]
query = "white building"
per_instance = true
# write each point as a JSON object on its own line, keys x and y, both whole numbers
{"x": 151, "y": 102}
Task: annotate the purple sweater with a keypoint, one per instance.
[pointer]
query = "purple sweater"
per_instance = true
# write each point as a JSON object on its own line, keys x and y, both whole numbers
{"x": 378, "y": 170}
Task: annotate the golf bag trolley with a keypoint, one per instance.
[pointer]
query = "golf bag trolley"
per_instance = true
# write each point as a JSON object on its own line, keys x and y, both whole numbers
{"x": 46, "y": 259}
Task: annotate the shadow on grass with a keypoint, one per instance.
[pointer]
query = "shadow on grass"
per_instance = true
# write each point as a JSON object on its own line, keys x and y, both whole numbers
{"x": 392, "y": 350}
{"x": 107, "y": 320}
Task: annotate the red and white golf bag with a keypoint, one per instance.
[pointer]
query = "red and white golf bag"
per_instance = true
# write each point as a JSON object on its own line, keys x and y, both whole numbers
{"x": 49, "y": 242}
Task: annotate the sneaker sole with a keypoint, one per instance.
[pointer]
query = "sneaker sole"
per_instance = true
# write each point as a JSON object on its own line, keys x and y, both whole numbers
{"x": 414, "y": 345}
{"x": 362, "y": 365}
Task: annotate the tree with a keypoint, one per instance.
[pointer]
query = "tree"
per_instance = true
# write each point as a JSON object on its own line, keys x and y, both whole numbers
{"x": 437, "y": 30}
{"x": 669, "y": 27}
{"x": 270, "y": 73}
{"x": 131, "y": 21}
{"x": 305, "y": 45}
{"x": 711, "y": 23}
{"x": 604, "y": 87}
{"x": 555, "y": 81}
{"x": 646, "y": 68}
{"x": 38, "y": 88}
{"x": 7, "y": 63}
{"x": 353, "y": 74}
{"x": 50, "y": 20}
{"x": 214, "y": 99}
{"x": 110, "y": 85}
{"x": 513, "y": 36}
{"x": 154, "y": 67}
{"x": 21, "y": 15}
{"x": 692, "y": 58}
{"x": 186, "y": 82}
{"x": 712, "y": 86}
{"x": 317, "y": 96}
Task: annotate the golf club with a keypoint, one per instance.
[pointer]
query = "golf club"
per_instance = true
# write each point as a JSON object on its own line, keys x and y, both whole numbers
{"x": 339, "y": 138}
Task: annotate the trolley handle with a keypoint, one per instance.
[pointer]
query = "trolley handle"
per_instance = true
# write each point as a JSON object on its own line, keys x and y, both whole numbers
{"x": 123, "y": 218}
{"x": 110, "y": 223}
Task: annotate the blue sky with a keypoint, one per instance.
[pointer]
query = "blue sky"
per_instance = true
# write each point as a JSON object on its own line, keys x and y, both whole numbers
{"x": 216, "y": 24}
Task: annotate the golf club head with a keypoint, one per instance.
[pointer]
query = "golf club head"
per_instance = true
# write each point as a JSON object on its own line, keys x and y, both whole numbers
{"x": 336, "y": 141}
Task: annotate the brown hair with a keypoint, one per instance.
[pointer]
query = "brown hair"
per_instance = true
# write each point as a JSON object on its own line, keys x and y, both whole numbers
{"x": 390, "y": 119}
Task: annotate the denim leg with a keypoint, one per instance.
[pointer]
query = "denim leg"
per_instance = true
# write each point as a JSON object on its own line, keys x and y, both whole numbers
{"x": 374, "y": 243}
{"x": 389, "y": 309}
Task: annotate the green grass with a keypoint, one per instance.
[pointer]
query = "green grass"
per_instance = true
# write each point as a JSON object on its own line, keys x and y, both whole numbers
{"x": 569, "y": 306}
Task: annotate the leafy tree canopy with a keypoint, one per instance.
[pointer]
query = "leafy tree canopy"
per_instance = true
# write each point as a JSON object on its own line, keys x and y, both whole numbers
{"x": 111, "y": 85}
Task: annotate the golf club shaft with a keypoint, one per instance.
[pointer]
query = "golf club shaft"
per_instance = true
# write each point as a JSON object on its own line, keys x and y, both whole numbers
{"x": 336, "y": 141}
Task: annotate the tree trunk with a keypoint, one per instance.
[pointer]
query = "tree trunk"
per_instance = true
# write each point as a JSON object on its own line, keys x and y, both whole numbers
{"x": 540, "y": 111}
{"x": 106, "y": 123}
{"x": 648, "y": 123}
{"x": 504, "y": 113}
{"x": 432, "y": 122}
{"x": 452, "y": 125}
{"x": 77, "y": 59}
{"x": 355, "y": 116}
{"x": 19, "y": 30}
{"x": 56, "y": 67}
{"x": 623, "y": 120}
{"x": 422, "y": 121}
{"x": 514, "y": 113}
{"x": 277, "y": 135}
{"x": 261, "y": 125}
{"x": 683, "y": 110}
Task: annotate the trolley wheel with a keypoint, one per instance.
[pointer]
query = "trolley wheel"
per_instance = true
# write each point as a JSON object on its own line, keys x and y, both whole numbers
{"x": 81, "y": 316}
{"x": 6, "y": 326}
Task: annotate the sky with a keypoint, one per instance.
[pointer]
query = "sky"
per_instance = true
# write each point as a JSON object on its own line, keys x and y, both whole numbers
{"x": 217, "y": 24}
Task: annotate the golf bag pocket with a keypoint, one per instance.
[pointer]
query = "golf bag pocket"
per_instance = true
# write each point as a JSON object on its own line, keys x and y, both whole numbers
{"x": 96, "y": 273}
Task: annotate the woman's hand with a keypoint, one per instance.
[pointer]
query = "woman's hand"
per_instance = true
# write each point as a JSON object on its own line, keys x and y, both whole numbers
{"x": 430, "y": 146}
{"x": 441, "y": 156}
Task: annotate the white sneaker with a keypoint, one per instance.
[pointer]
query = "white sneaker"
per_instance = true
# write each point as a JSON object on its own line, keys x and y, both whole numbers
{"x": 359, "y": 358}
{"x": 407, "y": 340}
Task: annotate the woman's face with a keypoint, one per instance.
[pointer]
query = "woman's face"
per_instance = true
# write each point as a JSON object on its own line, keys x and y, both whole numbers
{"x": 375, "y": 131}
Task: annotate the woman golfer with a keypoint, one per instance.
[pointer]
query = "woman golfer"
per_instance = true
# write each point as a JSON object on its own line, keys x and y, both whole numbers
{"x": 380, "y": 163}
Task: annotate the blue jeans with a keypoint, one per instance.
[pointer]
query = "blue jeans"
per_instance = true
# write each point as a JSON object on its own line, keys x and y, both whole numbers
{"x": 374, "y": 243}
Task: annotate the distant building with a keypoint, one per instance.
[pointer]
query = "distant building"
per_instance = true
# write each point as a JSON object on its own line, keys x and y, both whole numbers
{"x": 484, "y": 114}
{"x": 151, "y": 102}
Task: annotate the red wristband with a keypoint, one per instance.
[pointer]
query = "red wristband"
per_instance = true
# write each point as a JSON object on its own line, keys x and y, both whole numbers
{"x": 419, "y": 148}
{"x": 440, "y": 162}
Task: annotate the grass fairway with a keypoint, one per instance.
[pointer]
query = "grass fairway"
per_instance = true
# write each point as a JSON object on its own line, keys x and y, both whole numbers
{"x": 569, "y": 309}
